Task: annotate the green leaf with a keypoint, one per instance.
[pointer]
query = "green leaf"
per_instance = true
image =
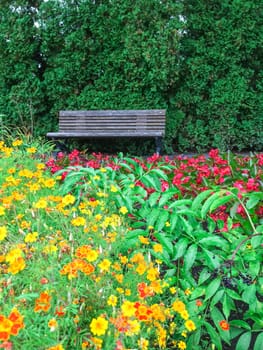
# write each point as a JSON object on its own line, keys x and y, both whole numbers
{"x": 135, "y": 233}
{"x": 199, "y": 199}
{"x": 254, "y": 267}
{"x": 217, "y": 297}
{"x": 213, "y": 241}
{"x": 186, "y": 225}
{"x": 162, "y": 219}
{"x": 166, "y": 196}
{"x": 217, "y": 317}
{"x": 253, "y": 200}
{"x": 212, "y": 259}
{"x": 244, "y": 341}
{"x": 212, "y": 288}
{"x": 249, "y": 294}
{"x": 165, "y": 242}
{"x": 259, "y": 229}
{"x": 160, "y": 174}
{"x": 240, "y": 324}
{"x": 228, "y": 305}
{"x": 173, "y": 221}
{"x": 220, "y": 201}
{"x": 197, "y": 293}
{"x": 259, "y": 342}
{"x": 233, "y": 294}
{"x": 215, "y": 338}
{"x": 153, "y": 198}
{"x": 151, "y": 182}
{"x": 180, "y": 248}
{"x": 207, "y": 204}
{"x": 204, "y": 275}
{"x": 190, "y": 257}
{"x": 153, "y": 217}
{"x": 180, "y": 203}
{"x": 256, "y": 241}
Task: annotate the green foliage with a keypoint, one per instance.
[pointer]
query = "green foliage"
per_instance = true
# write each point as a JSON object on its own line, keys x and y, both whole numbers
{"x": 220, "y": 90}
{"x": 200, "y": 60}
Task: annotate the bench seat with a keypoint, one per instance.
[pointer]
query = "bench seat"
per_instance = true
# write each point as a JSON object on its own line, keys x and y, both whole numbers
{"x": 111, "y": 123}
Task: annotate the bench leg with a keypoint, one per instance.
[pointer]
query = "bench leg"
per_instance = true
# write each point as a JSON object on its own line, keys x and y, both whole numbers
{"x": 158, "y": 143}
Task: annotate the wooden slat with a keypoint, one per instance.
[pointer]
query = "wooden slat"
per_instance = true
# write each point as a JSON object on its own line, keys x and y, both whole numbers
{"x": 110, "y": 123}
{"x": 105, "y": 134}
{"x": 109, "y": 113}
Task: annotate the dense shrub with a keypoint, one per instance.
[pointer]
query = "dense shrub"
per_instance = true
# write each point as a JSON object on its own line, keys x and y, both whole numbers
{"x": 201, "y": 60}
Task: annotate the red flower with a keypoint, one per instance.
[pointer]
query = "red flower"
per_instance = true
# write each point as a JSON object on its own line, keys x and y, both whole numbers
{"x": 224, "y": 325}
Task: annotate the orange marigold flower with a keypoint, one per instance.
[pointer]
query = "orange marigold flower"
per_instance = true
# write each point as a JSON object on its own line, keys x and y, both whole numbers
{"x": 224, "y": 325}
{"x": 60, "y": 311}
{"x": 43, "y": 302}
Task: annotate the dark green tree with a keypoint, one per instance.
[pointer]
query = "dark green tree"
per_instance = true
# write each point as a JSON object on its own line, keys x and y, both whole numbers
{"x": 21, "y": 93}
{"x": 220, "y": 89}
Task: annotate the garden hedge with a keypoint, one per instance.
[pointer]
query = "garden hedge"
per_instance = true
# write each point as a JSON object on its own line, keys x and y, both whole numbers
{"x": 201, "y": 60}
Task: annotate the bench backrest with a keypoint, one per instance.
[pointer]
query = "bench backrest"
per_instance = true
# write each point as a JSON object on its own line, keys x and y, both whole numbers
{"x": 114, "y": 122}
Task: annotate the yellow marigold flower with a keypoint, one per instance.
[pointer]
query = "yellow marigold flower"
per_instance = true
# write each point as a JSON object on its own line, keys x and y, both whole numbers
{"x": 141, "y": 268}
{"x": 184, "y": 314}
{"x": 11, "y": 171}
{"x": 103, "y": 170}
{"x": 3, "y": 233}
{"x": 17, "y": 142}
{"x": 31, "y": 150}
{"x": 34, "y": 187}
{"x": 68, "y": 199}
{"x": 187, "y": 291}
{"x": 134, "y": 328}
{"x": 127, "y": 292}
{"x": 172, "y": 290}
{"x": 178, "y": 306}
{"x": 16, "y": 266}
{"x": 78, "y": 221}
{"x": 143, "y": 344}
{"x": 92, "y": 255}
{"x": 144, "y": 240}
{"x": 98, "y": 217}
{"x": 119, "y": 278}
{"x": 123, "y": 210}
{"x": 152, "y": 274}
{"x": 113, "y": 188}
{"x": 112, "y": 300}
{"x": 120, "y": 290}
{"x": 99, "y": 326}
{"x": 31, "y": 237}
{"x": 124, "y": 260}
{"x": 128, "y": 308}
{"x": 40, "y": 166}
{"x": 181, "y": 345}
{"x": 190, "y": 325}
{"x": 105, "y": 264}
{"x": 52, "y": 324}
{"x": 13, "y": 254}
{"x": 41, "y": 204}
{"x": 49, "y": 249}
{"x": 49, "y": 183}
{"x": 158, "y": 248}
{"x": 2, "y": 211}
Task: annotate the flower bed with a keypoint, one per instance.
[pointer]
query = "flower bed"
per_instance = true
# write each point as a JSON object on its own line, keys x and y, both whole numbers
{"x": 104, "y": 252}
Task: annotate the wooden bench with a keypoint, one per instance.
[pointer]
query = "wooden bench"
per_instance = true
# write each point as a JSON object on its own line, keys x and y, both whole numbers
{"x": 111, "y": 123}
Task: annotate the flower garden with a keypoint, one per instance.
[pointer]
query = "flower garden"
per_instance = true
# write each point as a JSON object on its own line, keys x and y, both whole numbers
{"x": 113, "y": 252}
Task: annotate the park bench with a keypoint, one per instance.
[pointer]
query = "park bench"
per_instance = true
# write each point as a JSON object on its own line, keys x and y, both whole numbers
{"x": 111, "y": 124}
